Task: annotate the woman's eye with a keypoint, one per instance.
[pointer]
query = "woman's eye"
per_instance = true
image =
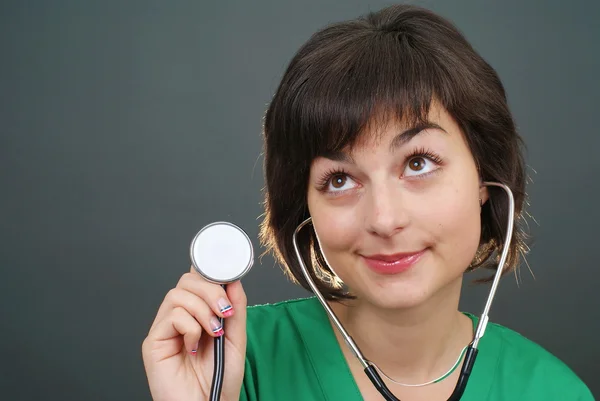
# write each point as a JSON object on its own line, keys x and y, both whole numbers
{"x": 418, "y": 165}
{"x": 340, "y": 182}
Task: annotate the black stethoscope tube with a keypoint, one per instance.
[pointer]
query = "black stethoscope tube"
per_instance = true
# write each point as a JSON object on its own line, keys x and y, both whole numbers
{"x": 219, "y": 363}
{"x": 465, "y": 372}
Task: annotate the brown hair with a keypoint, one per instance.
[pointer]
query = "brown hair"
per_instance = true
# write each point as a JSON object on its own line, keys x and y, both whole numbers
{"x": 389, "y": 64}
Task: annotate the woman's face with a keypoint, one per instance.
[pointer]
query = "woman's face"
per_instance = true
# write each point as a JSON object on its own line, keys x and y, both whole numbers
{"x": 398, "y": 217}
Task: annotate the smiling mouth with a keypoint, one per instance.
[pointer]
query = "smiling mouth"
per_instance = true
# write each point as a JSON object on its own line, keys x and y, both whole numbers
{"x": 394, "y": 263}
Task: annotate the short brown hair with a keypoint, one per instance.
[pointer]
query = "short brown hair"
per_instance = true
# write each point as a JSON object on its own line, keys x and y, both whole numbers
{"x": 389, "y": 64}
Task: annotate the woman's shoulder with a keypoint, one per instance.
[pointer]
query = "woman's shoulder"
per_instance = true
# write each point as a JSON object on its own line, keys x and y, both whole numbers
{"x": 520, "y": 357}
{"x": 298, "y": 326}
{"x": 522, "y": 350}
{"x": 285, "y": 334}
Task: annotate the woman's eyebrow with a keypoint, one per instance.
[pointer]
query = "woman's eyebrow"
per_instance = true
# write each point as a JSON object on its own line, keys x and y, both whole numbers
{"x": 405, "y": 136}
{"x": 339, "y": 156}
{"x": 399, "y": 140}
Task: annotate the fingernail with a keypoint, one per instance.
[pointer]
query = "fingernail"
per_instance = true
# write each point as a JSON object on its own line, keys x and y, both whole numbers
{"x": 193, "y": 352}
{"x": 216, "y": 326}
{"x": 224, "y": 307}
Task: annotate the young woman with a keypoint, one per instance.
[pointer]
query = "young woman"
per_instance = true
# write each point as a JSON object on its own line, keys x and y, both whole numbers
{"x": 383, "y": 131}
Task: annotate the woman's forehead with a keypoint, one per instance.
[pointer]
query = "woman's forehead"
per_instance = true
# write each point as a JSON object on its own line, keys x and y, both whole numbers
{"x": 395, "y": 132}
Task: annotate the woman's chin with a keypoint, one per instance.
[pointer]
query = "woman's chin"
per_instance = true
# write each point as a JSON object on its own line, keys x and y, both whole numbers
{"x": 391, "y": 299}
{"x": 401, "y": 294}
{"x": 410, "y": 295}
{"x": 397, "y": 302}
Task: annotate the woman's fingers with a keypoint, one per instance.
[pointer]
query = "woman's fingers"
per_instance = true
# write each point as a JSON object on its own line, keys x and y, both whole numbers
{"x": 185, "y": 324}
{"x": 193, "y": 306}
{"x": 180, "y": 299}
{"x": 213, "y": 295}
{"x": 188, "y": 327}
{"x": 178, "y": 324}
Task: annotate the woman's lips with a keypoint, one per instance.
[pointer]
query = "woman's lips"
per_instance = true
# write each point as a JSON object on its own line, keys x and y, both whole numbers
{"x": 392, "y": 264}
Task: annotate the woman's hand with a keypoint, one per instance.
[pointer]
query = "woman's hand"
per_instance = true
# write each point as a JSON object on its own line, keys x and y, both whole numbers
{"x": 178, "y": 351}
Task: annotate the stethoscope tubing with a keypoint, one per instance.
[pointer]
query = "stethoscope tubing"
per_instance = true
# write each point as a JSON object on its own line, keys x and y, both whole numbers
{"x": 472, "y": 350}
{"x": 219, "y": 362}
{"x": 369, "y": 369}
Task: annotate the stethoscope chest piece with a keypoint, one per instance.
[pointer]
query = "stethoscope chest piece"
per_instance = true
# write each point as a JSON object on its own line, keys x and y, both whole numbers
{"x": 222, "y": 252}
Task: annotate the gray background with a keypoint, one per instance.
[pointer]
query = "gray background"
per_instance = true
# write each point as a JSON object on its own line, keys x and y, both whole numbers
{"x": 125, "y": 126}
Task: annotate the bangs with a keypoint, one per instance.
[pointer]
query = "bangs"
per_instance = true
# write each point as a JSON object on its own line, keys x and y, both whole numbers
{"x": 360, "y": 84}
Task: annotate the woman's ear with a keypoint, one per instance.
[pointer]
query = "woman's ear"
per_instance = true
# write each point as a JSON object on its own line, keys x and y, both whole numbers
{"x": 483, "y": 194}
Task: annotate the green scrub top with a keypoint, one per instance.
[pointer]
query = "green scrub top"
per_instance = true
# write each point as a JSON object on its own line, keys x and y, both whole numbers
{"x": 293, "y": 354}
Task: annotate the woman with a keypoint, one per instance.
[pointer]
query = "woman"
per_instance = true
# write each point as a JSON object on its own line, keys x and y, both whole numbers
{"x": 383, "y": 131}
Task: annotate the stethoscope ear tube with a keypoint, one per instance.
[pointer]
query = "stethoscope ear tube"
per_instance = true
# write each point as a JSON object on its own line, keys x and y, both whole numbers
{"x": 471, "y": 353}
{"x": 373, "y": 375}
{"x": 465, "y": 372}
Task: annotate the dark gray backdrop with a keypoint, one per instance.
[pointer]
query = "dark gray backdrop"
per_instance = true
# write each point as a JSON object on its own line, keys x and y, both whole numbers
{"x": 125, "y": 126}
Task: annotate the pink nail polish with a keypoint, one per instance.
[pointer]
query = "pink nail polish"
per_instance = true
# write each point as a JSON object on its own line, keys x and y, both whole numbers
{"x": 224, "y": 307}
{"x": 216, "y": 327}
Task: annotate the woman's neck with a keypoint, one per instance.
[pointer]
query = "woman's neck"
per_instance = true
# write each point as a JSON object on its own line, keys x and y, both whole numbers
{"x": 413, "y": 345}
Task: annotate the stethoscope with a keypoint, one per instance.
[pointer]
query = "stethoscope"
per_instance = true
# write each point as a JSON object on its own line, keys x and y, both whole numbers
{"x": 222, "y": 253}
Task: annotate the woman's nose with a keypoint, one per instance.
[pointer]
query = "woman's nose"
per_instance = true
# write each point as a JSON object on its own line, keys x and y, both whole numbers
{"x": 386, "y": 212}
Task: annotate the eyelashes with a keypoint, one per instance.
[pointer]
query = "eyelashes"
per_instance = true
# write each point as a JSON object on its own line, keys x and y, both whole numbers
{"x": 430, "y": 156}
{"x": 425, "y": 153}
{"x": 325, "y": 179}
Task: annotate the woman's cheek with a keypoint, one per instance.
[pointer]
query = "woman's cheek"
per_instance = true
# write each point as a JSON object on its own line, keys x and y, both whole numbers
{"x": 456, "y": 226}
{"x": 337, "y": 231}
